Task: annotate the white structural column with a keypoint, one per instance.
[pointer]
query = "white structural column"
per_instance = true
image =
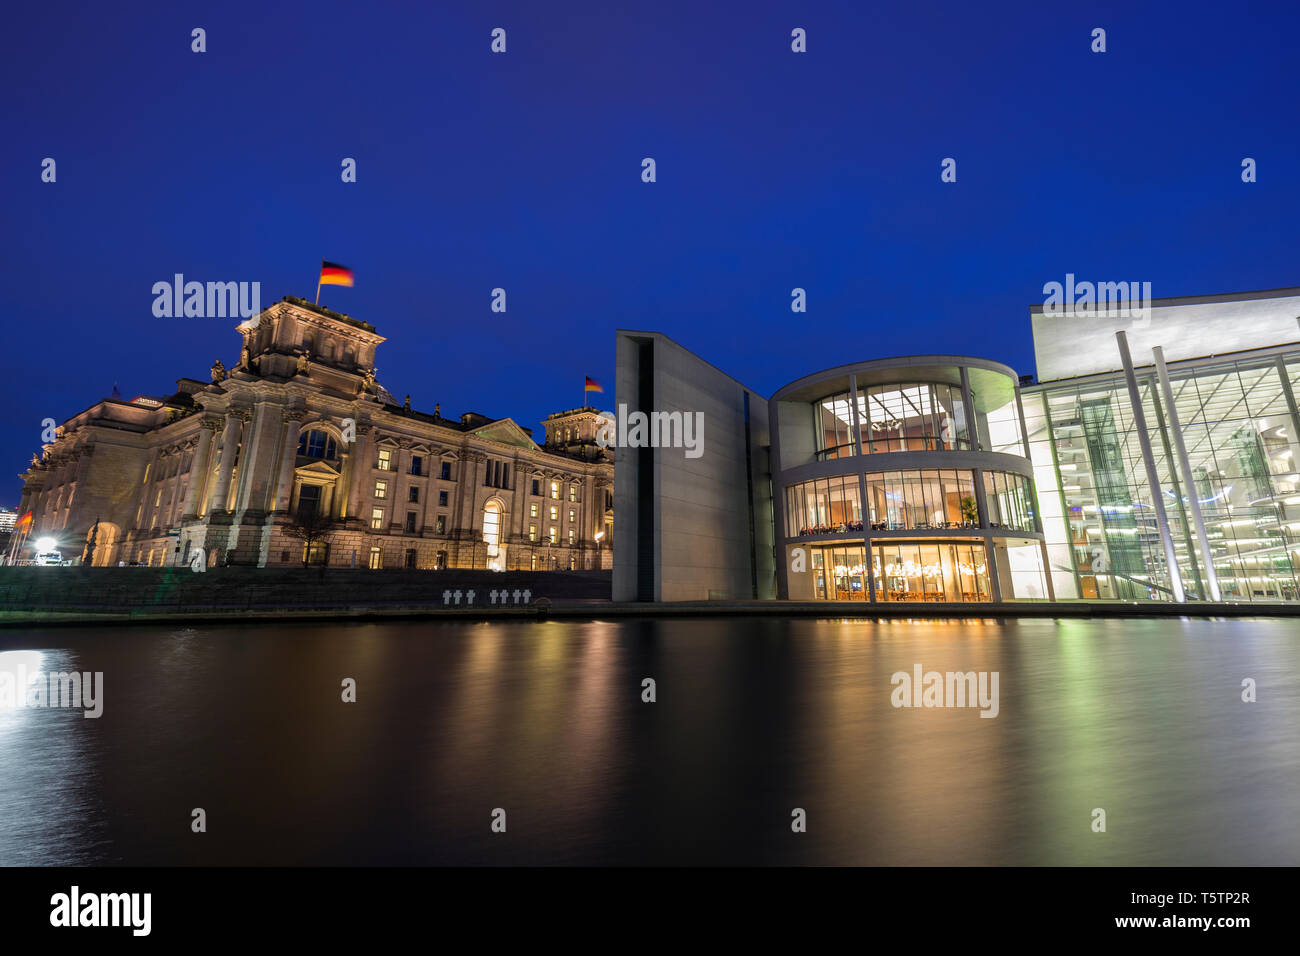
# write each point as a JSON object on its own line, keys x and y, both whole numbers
{"x": 229, "y": 451}
{"x": 1189, "y": 480}
{"x": 288, "y": 460}
{"x": 1149, "y": 459}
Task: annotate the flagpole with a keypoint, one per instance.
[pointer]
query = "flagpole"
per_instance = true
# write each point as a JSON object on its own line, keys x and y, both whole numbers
{"x": 318, "y": 275}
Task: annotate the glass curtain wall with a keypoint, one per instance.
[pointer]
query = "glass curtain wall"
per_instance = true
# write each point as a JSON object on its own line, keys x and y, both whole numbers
{"x": 907, "y": 500}
{"x": 904, "y": 571}
{"x": 919, "y": 417}
{"x": 1240, "y": 435}
{"x": 945, "y": 571}
{"x": 823, "y": 506}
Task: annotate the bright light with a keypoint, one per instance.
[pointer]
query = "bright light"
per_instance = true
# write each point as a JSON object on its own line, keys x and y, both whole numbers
{"x": 599, "y": 535}
{"x": 45, "y": 544}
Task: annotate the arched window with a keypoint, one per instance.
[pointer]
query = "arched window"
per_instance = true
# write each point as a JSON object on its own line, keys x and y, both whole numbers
{"x": 317, "y": 444}
{"x": 492, "y": 525}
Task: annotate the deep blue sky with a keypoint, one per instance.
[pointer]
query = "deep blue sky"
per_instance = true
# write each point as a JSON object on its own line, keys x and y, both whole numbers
{"x": 522, "y": 170}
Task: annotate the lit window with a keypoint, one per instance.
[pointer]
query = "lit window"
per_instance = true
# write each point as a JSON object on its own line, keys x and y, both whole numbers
{"x": 441, "y": 526}
{"x": 532, "y": 532}
{"x": 555, "y": 490}
{"x": 572, "y": 533}
{"x": 375, "y": 561}
{"x": 573, "y": 514}
{"x": 532, "y": 510}
{"x": 554, "y": 538}
{"x": 381, "y": 489}
{"x": 492, "y": 524}
{"x": 573, "y": 492}
{"x": 377, "y": 519}
{"x": 555, "y": 513}
{"x": 385, "y": 460}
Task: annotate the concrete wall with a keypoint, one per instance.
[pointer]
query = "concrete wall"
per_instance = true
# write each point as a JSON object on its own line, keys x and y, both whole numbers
{"x": 125, "y": 588}
{"x": 1083, "y": 344}
{"x": 691, "y": 528}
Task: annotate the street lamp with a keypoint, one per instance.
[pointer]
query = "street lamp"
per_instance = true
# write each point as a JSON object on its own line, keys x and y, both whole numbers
{"x": 599, "y": 550}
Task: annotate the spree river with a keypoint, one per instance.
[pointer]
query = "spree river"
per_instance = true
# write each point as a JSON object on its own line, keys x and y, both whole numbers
{"x": 754, "y": 719}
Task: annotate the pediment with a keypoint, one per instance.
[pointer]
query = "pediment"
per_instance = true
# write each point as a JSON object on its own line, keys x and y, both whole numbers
{"x": 507, "y": 432}
{"x": 320, "y": 469}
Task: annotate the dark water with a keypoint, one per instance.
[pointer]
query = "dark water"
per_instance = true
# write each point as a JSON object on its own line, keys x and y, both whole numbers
{"x": 754, "y": 718}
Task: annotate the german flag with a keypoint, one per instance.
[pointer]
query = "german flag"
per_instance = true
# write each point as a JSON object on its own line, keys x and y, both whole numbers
{"x": 24, "y": 523}
{"x": 592, "y": 385}
{"x": 331, "y": 273}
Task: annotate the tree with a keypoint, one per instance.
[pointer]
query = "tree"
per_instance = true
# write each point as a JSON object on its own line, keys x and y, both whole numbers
{"x": 969, "y": 510}
{"x": 310, "y": 527}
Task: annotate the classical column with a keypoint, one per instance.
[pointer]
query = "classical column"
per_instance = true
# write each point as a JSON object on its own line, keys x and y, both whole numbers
{"x": 250, "y": 451}
{"x": 199, "y": 470}
{"x": 288, "y": 459}
{"x": 360, "y": 467}
{"x": 143, "y": 502}
{"x": 229, "y": 451}
{"x": 179, "y": 452}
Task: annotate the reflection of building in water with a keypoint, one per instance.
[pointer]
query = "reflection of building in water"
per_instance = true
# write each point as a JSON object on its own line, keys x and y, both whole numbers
{"x": 952, "y": 481}
{"x": 301, "y": 434}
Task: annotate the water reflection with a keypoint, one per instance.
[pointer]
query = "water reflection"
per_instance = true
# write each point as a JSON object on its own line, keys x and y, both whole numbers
{"x": 753, "y": 718}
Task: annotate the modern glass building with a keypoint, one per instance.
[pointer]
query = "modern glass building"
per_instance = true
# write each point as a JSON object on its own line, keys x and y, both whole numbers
{"x": 1156, "y": 458}
{"x": 905, "y": 480}
{"x": 1215, "y": 435}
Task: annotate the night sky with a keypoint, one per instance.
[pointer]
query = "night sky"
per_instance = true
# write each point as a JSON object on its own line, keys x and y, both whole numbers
{"x": 523, "y": 170}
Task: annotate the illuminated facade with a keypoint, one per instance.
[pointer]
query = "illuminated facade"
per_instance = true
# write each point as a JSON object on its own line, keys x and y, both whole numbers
{"x": 299, "y": 436}
{"x": 945, "y": 478}
{"x": 921, "y": 464}
{"x": 1206, "y": 412}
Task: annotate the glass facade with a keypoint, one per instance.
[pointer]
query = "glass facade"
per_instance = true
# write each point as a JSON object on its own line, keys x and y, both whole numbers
{"x": 930, "y": 499}
{"x": 1238, "y": 422}
{"x": 903, "y": 571}
{"x": 921, "y": 417}
{"x": 915, "y": 417}
{"x": 823, "y": 506}
{"x": 947, "y": 513}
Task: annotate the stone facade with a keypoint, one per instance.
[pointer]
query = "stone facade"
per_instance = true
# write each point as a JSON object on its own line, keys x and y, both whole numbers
{"x": 300, "y": 426}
